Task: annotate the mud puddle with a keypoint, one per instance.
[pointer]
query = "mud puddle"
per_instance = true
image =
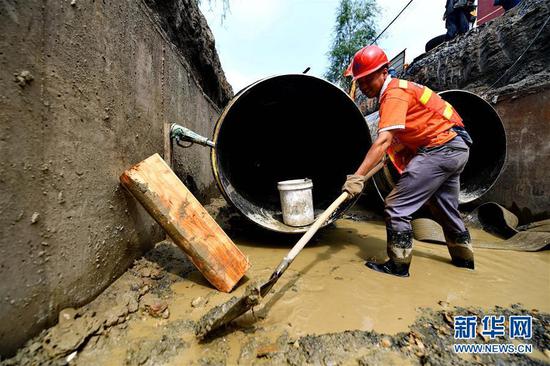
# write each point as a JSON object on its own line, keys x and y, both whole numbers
{"x": 328, "y": 308}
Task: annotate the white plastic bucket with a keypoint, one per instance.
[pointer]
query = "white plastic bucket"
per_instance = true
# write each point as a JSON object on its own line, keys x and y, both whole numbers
{"x": 296, "y": 201}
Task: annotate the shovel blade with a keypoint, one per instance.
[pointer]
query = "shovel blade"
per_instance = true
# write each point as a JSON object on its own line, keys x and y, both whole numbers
{"x": 223, "y": 314}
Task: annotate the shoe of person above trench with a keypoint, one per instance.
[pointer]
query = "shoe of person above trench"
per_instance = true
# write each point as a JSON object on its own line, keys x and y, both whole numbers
{"x": 390, "y": 267}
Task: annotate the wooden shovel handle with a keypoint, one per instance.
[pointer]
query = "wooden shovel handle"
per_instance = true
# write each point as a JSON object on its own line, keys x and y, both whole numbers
{"x": 325, "y": 215}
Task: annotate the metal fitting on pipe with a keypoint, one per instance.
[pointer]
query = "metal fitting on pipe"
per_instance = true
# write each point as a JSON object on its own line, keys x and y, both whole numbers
{"x": 180, "y": 133}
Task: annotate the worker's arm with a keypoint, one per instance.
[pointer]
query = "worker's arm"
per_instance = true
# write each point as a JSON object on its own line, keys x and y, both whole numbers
{"x": 376, "y": 152}
{"x": 355, "y": 183}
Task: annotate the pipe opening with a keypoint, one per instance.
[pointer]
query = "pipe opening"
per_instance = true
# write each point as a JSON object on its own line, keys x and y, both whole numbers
{"x": 488, "y": 153}
{"x": 282, "y": 128}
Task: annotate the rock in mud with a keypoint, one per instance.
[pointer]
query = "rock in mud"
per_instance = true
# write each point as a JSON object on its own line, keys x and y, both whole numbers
{"x": 23, "y": 78}
{"x": 385, "y": 342}
{"x": 156, "y": 307}
{"x": 147, "y": 269}
{"x": 199, "y": 302}
{"x": 133, "y": 305}
{"x": 60, "y": 341}
{"x": 66, "y": 316}
{"x": 154, "y": 352}
{"x": 266, "y": 350}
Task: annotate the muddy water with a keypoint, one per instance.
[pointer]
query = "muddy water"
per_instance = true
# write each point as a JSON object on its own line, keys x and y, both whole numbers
{"x": 328, "y": 289}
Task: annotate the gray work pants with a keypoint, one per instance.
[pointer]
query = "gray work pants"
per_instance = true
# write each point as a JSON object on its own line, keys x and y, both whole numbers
{"x": 433, "y": 177}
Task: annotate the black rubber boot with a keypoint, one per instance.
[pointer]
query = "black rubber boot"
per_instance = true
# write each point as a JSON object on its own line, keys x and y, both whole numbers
{"x": 463, "y": 263}
{"x": 390, "y": 267}
{"x": 460, "y": 249}
{"x": 400, "y": 253}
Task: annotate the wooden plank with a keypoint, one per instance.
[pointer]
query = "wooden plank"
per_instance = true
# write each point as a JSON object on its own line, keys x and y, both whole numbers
{"x": 185, "y": 220}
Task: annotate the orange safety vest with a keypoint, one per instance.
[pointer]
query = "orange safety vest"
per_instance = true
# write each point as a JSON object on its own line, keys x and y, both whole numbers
{"x": 398, "y": 153}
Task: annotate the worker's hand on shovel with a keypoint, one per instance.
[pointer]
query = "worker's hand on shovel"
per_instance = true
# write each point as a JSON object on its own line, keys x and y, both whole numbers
{"x": 354, "y": 185}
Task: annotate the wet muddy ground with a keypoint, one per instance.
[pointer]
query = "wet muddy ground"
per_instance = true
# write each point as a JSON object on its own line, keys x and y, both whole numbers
{"x": 328, "y": 308}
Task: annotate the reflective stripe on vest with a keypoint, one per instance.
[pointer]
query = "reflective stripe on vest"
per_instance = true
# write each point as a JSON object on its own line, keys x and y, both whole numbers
{"x": 432, "y": 101}
{"x": 426, "y": 95}
{"x": 448, "y": 113}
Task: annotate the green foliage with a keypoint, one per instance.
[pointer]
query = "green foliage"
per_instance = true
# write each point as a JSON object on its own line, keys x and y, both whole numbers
{"x": 355, "y": 28}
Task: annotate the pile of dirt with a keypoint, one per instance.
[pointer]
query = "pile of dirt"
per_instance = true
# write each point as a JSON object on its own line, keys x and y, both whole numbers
{"x": 429, "y": 342}
{"x": 484, "y": 56}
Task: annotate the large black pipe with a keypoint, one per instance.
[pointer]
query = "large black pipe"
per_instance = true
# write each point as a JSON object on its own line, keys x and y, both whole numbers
{"x": 286, "y": 127}
{"x": 299, "y": 126}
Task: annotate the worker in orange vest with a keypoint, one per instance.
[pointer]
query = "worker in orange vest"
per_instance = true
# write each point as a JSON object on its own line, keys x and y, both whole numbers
{"x": 425, "y": 139}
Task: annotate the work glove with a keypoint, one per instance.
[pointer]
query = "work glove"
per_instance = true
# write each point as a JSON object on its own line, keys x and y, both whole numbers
{"x": 354, "y": 184}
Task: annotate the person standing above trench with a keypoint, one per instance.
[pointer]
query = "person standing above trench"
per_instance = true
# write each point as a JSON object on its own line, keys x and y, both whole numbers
{"x": 456, "y": 17}
{"x": 425, "y": 139}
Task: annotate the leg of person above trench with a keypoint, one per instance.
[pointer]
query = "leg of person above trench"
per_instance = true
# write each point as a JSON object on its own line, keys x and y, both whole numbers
{"x": 424, "y": 174}
{"x": 462, "y": 21}
{"x": 450, "y": 24}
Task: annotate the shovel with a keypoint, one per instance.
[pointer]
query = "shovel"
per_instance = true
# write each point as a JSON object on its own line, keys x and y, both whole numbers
{"x": 225, "y": 313}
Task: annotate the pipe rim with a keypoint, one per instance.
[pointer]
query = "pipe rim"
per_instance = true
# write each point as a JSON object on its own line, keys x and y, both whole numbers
{"x": 227, "y": 188}
{"x": 464, "y": 198}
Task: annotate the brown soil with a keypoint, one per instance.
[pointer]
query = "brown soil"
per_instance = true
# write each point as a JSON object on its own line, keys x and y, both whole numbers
{"x": 326, "y": 309}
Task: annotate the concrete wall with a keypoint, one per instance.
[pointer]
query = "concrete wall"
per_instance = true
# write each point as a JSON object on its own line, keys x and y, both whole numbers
{"x": 87, "y": 89}
{"x": 524, "y": 184}
{"x": 483, "y": 61}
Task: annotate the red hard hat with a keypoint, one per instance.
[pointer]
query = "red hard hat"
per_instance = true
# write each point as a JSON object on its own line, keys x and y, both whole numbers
{"x": 366, "y": 61}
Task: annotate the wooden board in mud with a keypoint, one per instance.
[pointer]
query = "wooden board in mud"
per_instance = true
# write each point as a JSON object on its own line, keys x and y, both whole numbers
{"x": 185, "y": 220}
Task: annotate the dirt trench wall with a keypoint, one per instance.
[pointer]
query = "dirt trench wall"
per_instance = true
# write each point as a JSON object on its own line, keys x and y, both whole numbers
{"x": 482, "y": 62}
{"x": 88, "y": 89}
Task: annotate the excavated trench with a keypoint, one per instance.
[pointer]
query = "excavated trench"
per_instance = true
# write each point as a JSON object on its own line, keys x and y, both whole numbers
{"x": 328, "y": 308}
